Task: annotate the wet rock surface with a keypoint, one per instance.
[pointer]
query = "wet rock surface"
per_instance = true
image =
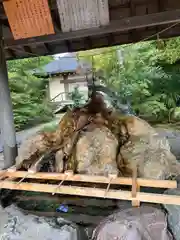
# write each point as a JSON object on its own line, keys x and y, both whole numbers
{"x": 14, "y": 225}
{"x": 173, "y": 137}
{"x": 150, "y": 152}
{"x": 134, "y": 224}
{"x": 173, "y": 214}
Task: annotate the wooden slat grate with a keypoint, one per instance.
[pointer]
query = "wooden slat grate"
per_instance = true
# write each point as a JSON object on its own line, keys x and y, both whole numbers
{"x": 29, "y": 18}
{"x": 11, "y": 172}
{"x": 82, "y": 14}
{"x": 92, "y": 192}
{"x": 9, "y": 179}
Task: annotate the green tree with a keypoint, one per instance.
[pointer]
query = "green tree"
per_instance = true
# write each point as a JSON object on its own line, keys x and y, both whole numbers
{"x": 28, "y": 92}
{"x": 148, "y": 77}
{"x": 77, "y": 97}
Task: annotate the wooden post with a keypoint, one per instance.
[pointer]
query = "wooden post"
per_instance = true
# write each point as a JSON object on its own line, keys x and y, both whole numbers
{"x": 66, "y": 85}
{"x": 48, "y": 93}
{"x": 135, "y": 188}
{"x": 6, "y": 113}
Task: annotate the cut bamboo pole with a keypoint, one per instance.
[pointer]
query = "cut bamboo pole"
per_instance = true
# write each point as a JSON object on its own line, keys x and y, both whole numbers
{"x": 36, "y": 166}
{"x": 22, "y": 179}
{"x": 67, "y": 173}
{"x": 111, "y": 177}
{"x": 94, "y": 179}
{"x": 91, "y": 192}
{"x": 58, "y": 186}
{"x": 12, "y": 169}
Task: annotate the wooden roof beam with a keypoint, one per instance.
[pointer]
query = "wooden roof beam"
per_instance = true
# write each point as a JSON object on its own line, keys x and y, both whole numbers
{"x": 110, "y": 38}
{"x": 161, "y": 5}
{"x": 69, "y": 46}
{"x": 88, "y": 41}
{"x": 126, "y": 24}
{"x": 12, "y": 53}
{"x": 27, "y": 49}
{"x": 132, "y": 32}
{"x": 47, "y": 47}
{"x": 118, "y": 38}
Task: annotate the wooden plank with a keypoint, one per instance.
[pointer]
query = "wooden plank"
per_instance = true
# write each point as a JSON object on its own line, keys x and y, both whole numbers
{"x": 29, "y": 18}
{"x": 93, "y": 192}
{"x": 135, "y": 188}
{"x": 94, "y": 179}
{"x": 119, "y": 39}
{"x": 122, "y": 25}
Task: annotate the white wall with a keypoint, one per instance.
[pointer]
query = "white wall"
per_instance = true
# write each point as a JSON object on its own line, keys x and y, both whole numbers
{"x": 55, "y": 87}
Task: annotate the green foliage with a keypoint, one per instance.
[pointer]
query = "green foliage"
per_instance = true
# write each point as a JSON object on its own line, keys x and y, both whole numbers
{"x": 76, "y": 97}
{"x": 28, "y": 92}
{"x": 147, "y": 76}
{"x": 176, "y": 115}
{"x": 170, "y": 53}
{"x": 50, "y": 127}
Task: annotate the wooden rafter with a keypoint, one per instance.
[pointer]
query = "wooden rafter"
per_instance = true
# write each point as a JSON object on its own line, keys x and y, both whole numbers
{"x": 12, "y": 53}
{"x": 118, "y": 38}
{"x": 27, "y": 49}
{"x": 69, "y": 45}
{"x": 47, "y": 47}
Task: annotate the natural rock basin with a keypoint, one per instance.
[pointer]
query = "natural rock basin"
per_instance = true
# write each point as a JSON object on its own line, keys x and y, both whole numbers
{"x": 115, "y": 147}
{"x": 102, "y": 142}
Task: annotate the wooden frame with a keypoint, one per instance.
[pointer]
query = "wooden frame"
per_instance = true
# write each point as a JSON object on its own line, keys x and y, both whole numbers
{"x": 130, "y": 21}
{"x": 136, "y": 22}
{"x": 10, "y": 180}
